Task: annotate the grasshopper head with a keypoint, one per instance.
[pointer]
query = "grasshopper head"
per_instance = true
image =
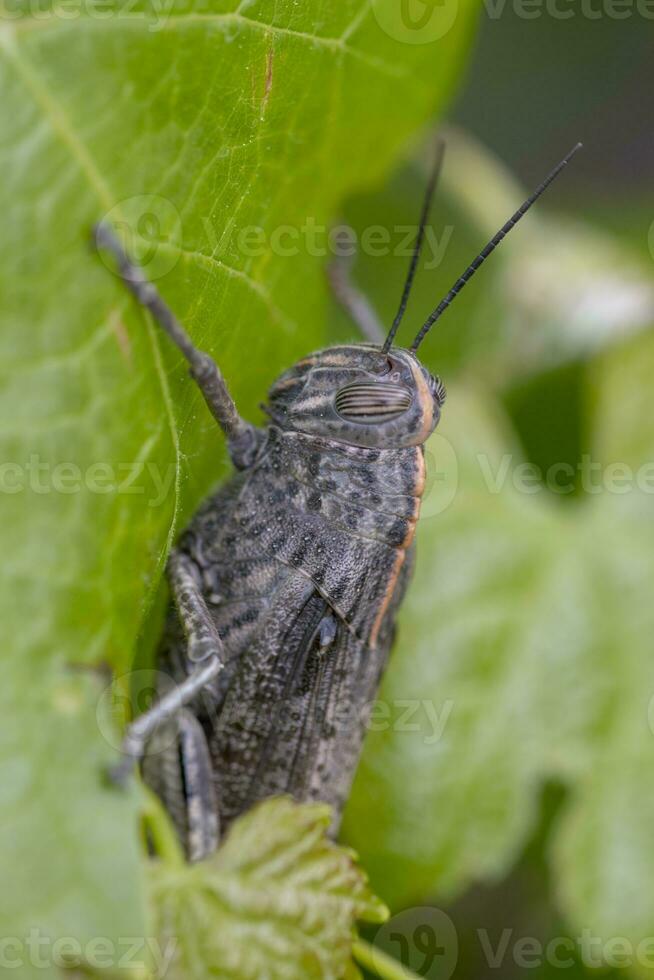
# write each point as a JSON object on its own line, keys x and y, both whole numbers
{"x": 380, "y": 397}
{"x": 359, "y": 395}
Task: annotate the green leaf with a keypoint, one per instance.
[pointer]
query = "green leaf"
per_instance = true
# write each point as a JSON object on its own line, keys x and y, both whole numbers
{"x": 524, "y": 655}
{"x": 277, "y": 900}
{"x": 619, "y": 413}
{"x": 69, "y": 846}
{"x": 188, "y": 122}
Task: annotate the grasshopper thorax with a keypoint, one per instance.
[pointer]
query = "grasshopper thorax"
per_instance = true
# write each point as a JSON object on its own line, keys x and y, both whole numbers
{"x": 359, "y": 395}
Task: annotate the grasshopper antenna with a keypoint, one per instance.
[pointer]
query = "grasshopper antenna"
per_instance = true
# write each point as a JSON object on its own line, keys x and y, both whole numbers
{"x": 485, "y": 252}
{"x": 424, "y": 214}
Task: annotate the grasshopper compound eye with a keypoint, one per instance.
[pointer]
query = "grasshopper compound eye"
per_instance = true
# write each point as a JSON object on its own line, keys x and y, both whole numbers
{"x": 370, "y": 404}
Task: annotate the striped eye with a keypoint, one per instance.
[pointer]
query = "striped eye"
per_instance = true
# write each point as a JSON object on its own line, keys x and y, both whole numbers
{"x": 368, "y": 403}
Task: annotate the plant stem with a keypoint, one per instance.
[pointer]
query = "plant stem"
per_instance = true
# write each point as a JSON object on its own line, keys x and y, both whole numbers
{"x": 162, "y": 832}
{"x": 380, "y": 963}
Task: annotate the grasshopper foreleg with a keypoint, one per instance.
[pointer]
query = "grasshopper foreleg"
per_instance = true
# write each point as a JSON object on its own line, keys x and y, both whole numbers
{"x": 242, "y": 438}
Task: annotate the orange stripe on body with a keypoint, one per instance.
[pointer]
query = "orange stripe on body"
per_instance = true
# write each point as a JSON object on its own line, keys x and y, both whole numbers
{"x": 402, "y": 550}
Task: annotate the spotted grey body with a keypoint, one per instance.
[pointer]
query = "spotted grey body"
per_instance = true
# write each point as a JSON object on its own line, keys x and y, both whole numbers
{"x": 303, "y": 558}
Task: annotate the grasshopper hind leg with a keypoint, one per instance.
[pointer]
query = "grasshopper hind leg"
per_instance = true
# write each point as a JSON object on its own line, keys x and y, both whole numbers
{"x": 203, "y": 828}
{"x": 168, "y": 738}
{"x": 177, "y": 767}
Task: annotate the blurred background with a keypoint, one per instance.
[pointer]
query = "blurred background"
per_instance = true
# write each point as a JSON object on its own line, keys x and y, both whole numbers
{"x": 554, "y": 340}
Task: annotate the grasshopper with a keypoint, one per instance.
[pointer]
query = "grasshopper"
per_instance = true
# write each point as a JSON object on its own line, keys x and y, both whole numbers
{"x": 287, "y": 582}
